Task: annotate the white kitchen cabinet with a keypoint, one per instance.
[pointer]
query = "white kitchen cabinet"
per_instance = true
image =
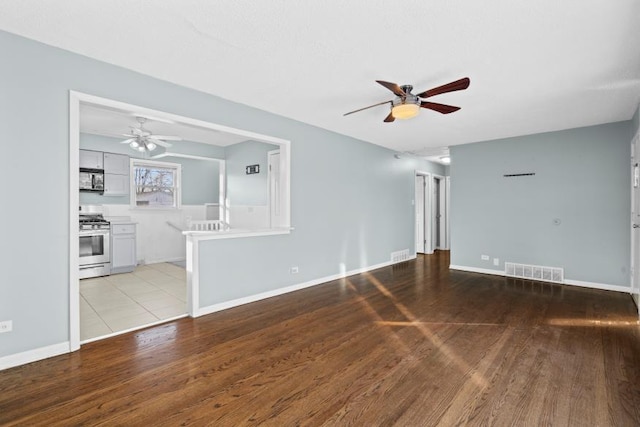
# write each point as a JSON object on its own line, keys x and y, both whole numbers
{"x": 123, "y": 247}
{"x": 116, "y": 185}
{"x": 116, "y": 174}
{"x": 91, "y": 159}
{"x": 116, "y": 164}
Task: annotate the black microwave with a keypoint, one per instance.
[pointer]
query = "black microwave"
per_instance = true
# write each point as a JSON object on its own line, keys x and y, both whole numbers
{"x": 92, "y": 180}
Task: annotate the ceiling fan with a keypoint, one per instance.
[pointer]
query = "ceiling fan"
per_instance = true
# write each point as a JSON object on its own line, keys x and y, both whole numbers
{"x": 407, "y": 105}
{"x": 143, "y": 140}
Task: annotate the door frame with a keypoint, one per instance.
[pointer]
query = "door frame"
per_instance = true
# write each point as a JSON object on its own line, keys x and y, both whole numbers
{"x": 428, "y": 247}
{"x": 444, "y": 212}
{"x": 269, "y": 178}
{"x": 425, "y": 179}
{"x": 75, "y": 99}
{"x": 635, "y": 233}
{"x": 448, "y": 207}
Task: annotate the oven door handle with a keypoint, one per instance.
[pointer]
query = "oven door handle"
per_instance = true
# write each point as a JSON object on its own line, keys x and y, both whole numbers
{"x": 93, "y": 232}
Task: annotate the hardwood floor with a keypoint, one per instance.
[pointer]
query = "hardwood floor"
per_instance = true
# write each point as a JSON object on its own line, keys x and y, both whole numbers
{"x": 409, "y": 345}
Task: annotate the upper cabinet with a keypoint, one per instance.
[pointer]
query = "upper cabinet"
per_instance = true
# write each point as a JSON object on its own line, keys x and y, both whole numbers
{"x": 91, "y": 159}
{"x": 116, "y": 174}
{"x": 116, "y": 164}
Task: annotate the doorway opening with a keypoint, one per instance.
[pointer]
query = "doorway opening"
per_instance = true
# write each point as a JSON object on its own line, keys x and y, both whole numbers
{"x": 439, "y": 213}
{"x": 77, "y": 108}
{"x": 431, "y": 212}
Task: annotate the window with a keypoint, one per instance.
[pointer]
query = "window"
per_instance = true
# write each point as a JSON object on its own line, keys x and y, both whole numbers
{"x": 155, "y": 185}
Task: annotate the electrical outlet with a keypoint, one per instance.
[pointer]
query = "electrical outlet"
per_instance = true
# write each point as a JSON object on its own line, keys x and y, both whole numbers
{"x": 294, "y": 270}
{"x": 484, "y": 257}
{"x": 6, "y": 326}
{"x": 496, "y": 261}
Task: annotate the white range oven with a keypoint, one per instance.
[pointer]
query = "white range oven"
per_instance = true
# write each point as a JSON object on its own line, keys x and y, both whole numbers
{"x": 94, "y": 236}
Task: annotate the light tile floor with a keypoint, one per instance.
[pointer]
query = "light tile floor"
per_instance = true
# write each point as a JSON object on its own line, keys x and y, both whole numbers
{"x": 118, "y": 302}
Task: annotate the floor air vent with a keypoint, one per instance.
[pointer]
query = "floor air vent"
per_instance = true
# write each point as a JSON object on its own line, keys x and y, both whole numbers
{"x": 534, "y": 272}
{"x": 400, "y": 256}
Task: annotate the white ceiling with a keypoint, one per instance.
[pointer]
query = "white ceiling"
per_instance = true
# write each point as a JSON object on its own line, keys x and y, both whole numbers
{"x": 534, "y": 66}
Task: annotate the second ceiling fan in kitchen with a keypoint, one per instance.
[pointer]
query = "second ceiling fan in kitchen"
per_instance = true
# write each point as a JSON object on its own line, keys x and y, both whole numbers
{"x": 407, "y": 105}
{"x": 142, "y": 139}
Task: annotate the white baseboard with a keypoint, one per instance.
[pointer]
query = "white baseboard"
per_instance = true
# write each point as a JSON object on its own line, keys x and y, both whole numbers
{"x": 161, "y": 260}
{"x": 34, "y": 355}
{"x": 264, "y": 295}
{"x": 603, "y": 286}
{"x": 476, "y": 270}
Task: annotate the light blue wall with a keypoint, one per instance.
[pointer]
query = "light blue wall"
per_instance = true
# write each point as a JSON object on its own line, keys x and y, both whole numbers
{"x": 351, "y": 208}
{"x": 243, "y": 189}
{"x": 351, "y": 201}
{"x": 582, "y": 179}
{"x": 200, "y": 178}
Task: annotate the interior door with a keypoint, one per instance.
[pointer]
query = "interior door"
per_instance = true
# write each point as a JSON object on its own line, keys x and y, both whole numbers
{"x": 439, "y": 216}
{"x": 420, "y": 214}
{"x": 442, "y": 214}
{"x": 436, "y": 214}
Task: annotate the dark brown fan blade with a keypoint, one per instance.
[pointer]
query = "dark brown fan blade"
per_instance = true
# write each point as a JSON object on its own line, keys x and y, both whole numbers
{"x": 440, "y": 108}
{"x": 392, "y": 87}
{"x": 449, "y": 87}
{"x": 360, "y": 109}
{"x": 389, "y": 118}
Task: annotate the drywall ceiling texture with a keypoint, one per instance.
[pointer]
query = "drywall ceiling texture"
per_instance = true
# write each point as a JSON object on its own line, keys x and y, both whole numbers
{"x": 534, "y": 66}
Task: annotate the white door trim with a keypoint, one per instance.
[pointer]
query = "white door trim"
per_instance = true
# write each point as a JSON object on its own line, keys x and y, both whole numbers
{"x": 75, "y": 99}
{"x": 269, "y": 177}
{"x": 74, "y": 202}
{"x": 444, "y": 212}
{"x": 419, "y": 223}
{"x": 448, "y": 209}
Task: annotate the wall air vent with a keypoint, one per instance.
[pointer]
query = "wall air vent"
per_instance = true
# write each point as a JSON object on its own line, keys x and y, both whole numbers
{"x": 534, "y": 272}
{"x": 400, "y": 256}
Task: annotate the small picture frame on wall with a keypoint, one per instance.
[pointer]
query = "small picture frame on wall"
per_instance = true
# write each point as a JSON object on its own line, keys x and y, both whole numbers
{"x": 251, "y": 169}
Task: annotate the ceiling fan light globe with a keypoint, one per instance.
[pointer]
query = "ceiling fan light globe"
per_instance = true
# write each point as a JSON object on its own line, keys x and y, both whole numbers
{"x": 405, "y": 111}
{"x": 134, "y": 144}
{"x": 140, "y": 149}
{"x": 151, "y": 146}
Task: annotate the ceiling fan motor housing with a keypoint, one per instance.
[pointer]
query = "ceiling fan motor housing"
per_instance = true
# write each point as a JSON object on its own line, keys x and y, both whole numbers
{"x": 405, "y": 107}
{"x": 144, "y": 140}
